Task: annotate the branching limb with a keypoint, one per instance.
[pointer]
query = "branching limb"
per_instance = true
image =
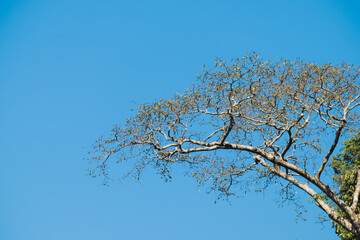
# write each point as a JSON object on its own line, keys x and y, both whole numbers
{"x": 278, "y": 111}
{"x": 356, "y": 192}
{"x": 331, "y": 150}
{"x": 320, "y": 202}
{"x": 228, "y": 129}
{"x": 213, "y": 133}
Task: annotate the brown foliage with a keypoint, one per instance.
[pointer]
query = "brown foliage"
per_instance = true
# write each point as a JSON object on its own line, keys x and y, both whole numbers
{"x": 275, "y": 119}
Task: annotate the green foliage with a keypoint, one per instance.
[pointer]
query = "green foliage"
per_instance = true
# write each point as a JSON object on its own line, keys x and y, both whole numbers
{"x": 345, "y": 167}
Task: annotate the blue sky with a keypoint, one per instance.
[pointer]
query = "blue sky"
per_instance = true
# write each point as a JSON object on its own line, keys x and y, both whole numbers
{"x": 70, "y": 69}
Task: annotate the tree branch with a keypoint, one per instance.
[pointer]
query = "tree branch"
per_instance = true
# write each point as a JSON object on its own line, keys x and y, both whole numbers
{"x": 331, "y": 150}
{"x": 321, "y": 203}
{"x": 356, "y": 192}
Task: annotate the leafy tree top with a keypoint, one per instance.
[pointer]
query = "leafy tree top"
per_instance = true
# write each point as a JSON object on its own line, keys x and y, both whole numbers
{"x": 247, "y": 121}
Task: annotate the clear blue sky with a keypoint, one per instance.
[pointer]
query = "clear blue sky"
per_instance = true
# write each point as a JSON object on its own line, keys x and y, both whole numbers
{"x": 70, "y": 69}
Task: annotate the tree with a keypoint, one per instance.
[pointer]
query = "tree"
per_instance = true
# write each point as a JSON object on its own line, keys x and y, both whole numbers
{"x": 347, "y": 175}
{"x": 247, "y": 122}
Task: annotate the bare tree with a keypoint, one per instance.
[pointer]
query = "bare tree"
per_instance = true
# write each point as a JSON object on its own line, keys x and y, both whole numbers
{"x": 249, "y": 121}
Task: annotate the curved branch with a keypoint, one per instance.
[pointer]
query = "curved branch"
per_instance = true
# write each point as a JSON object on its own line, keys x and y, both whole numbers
{"x": 321, "y": 203}
{"x": 331, "y": 150}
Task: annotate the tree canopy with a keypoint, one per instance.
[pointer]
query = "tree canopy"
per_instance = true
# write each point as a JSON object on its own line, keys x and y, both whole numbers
{"x": 249, "y": 122}
{"x": 346, "y": 167}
